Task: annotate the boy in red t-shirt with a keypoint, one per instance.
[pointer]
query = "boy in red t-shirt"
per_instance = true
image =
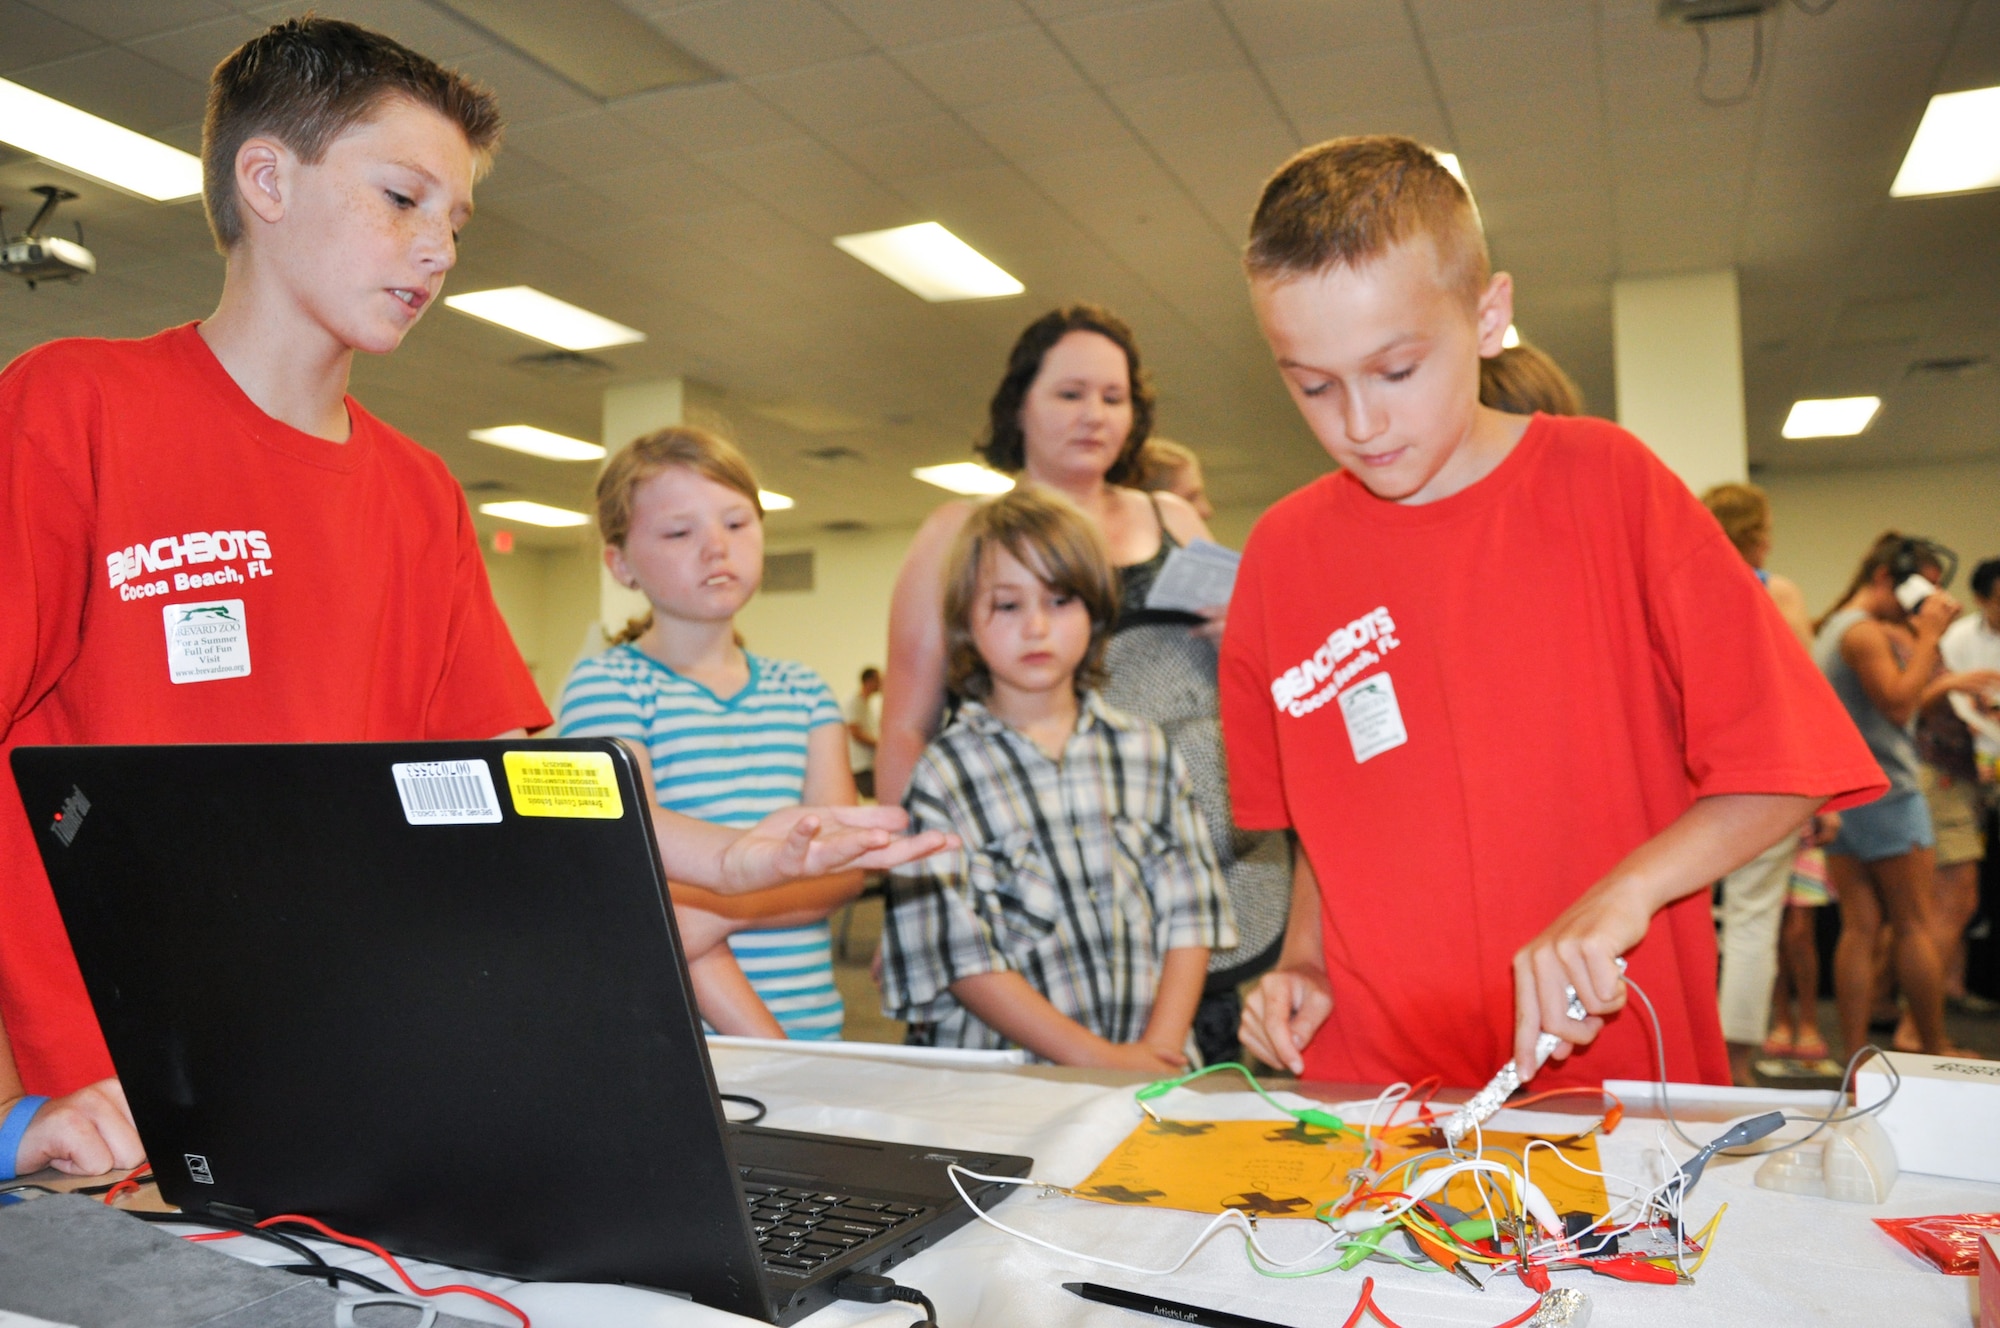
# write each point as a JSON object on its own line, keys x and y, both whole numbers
{"x": 1504, "y": 676}
{"x": 219, "y": 474}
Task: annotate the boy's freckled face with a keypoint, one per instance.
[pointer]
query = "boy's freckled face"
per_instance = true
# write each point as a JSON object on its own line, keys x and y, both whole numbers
{"x": 696, "y": 548}
{"x": 1031, "y": 635}
{"x": 1383, "y": 362}
{"x": 371, "y": 229}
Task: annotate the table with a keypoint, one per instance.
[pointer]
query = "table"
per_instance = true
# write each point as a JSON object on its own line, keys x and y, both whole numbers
{"x": 1777, "y": 1258}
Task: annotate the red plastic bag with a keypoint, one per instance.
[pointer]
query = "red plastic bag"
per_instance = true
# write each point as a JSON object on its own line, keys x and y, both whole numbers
{"x": 1951, "y": 1243}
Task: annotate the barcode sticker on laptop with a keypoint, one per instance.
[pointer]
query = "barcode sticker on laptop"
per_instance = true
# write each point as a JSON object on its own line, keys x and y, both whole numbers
{"x": 446, "y": 792}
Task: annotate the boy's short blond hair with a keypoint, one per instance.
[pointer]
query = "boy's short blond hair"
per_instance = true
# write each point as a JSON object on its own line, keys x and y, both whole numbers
{"x": 307, "y": 81}
{"x": 1348, "y": 201}
{"x": 1743, "y": 510}
{"x": 1051, "y": 537}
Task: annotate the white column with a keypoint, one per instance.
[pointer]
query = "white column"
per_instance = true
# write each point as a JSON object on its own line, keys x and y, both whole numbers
{"x": 632, "y": 409}
{"x": 1677, "y": 349}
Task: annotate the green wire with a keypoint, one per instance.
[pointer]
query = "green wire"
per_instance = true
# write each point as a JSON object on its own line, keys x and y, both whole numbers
{"x": 1326, "y": 1120}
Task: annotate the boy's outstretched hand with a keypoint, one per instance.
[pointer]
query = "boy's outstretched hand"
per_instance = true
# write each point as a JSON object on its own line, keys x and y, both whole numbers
{"x": 817, "y": 841}
{"x": 1281, "y": 1014}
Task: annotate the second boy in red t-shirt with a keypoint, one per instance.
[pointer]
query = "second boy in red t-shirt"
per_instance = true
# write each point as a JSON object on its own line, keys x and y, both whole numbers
{"x": 1505, "y": 677}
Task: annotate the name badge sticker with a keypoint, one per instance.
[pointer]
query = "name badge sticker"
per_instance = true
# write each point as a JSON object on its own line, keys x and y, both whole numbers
{"x": 574, "y": 784}
{"x": 1374, "y": 720}
{"x": 207, "y": 641}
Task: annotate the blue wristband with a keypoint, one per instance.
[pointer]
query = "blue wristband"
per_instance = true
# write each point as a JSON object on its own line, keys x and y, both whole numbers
{"x": 19, "y": 1116}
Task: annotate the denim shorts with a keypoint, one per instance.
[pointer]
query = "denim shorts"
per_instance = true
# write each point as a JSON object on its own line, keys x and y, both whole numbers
{"x": 1889, "y": 827}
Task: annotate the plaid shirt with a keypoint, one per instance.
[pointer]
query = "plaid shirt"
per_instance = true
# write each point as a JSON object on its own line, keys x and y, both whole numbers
{"x": 1078, "y": 875}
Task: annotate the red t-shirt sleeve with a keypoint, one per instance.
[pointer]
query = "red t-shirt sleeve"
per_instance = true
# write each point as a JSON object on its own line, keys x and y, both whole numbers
{"x": 46, "y": 504}
{"x": 1249, "y": 720}
{"x": 486, "y": 689}
{"x": 1757, "y": 715}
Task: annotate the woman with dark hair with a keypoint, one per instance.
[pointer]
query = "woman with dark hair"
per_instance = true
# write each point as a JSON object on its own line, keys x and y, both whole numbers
{"x": 1070, "y": 414}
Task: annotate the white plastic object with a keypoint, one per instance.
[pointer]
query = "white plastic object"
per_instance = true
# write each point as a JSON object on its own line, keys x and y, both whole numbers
{"x": 1360, "y": 1220}
{"x": 1856, "y": 1164}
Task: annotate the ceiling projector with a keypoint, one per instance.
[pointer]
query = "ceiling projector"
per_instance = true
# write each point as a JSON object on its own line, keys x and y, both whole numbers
{"x": 36, "y": 257}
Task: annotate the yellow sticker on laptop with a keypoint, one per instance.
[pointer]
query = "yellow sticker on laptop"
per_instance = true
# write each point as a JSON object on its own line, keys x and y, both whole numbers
{"x": 575, "y": 784}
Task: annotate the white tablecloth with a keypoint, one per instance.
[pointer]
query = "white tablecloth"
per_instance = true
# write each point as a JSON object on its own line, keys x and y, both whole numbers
{"x": 1778, "y": 1259}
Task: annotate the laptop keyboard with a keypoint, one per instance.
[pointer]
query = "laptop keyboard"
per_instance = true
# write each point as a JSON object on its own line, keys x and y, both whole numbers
{"x": 798, "y": 1230}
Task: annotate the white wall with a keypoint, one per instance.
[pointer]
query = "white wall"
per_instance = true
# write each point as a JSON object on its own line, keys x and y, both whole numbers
{"x": 841, "y": 625}
{"x": 549, "y": 598}
{"x": 1824, "y": 521}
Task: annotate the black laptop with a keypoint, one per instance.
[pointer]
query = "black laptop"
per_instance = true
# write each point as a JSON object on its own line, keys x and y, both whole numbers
{"x": 432, "y": 994}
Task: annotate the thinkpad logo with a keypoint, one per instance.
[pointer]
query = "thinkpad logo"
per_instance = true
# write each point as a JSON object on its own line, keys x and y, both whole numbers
{"x": 70, "y": 819}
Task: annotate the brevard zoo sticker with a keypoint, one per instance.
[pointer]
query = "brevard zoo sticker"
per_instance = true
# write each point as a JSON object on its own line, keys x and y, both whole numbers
{"x": 207, "y": 641}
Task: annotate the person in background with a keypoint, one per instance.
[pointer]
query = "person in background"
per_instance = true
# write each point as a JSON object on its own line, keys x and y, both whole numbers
{"x": 1078, "y": 918}
{"x": 1972, "y": 643}
{"x": 1166, "y": 466}
{"x": 1754, "y": 895}
{"x": 864, "y": 724}
{"x": 731, "y": 735}
{"x": 1524, "y": 379}
{"x": 1072, "y": 413}
{"x": 1881, "y": 863}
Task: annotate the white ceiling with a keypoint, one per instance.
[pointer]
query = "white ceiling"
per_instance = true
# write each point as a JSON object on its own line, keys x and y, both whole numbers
{"x": 1099, "y": 149}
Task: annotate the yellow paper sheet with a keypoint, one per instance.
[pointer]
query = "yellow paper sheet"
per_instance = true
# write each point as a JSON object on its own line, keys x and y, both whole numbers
{"x": 1288, "y": 1169}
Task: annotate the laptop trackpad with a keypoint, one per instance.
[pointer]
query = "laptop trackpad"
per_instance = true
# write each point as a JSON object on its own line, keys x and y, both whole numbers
{"x": 858, "y": 1165}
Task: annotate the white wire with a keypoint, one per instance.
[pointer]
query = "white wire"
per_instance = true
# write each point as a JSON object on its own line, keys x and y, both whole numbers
{"x": 1228, "y": 1217}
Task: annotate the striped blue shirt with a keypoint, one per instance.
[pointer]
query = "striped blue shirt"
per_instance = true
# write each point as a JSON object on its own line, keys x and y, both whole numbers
{"x": 730, "y": 760}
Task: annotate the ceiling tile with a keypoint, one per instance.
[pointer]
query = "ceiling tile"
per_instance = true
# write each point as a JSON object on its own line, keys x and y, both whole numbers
{"x": 915, "y": 147}
{"x": 1281, "y": 30}
{"x": 35, "y": 36}
{"x": 1356, "y": 79}
{"x": 894, "y": 23}
{"x": 120, "y": 86}
{"x": 121, "y": 20}
{"x": 421, "y": 27}
{"x": 747, "y": 37}
{"x": 1420, "y": 120}
{"x": 664, "y": 188}
{"x": 590, "y": 142}
{"x": 1124, "y": 45}
{"x": 844, "y": 94}
{"x": 714, "y": 117}
{"x": 1444, "y": 18}
{"x": 1503, "y": 63}
{"x": 1003, "y": 65}
{"x": 1187, "y": 105}
{"x": 195, "y": 50}
{"x": 813, "y": 188}
{"x": 1043, "y": 126}
{"x": 526, "y": 91}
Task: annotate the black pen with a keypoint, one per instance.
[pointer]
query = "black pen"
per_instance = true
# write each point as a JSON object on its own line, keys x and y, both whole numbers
{"x": 1166, "y": 1309}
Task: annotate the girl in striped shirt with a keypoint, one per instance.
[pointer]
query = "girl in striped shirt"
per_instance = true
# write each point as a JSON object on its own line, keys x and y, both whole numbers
{"x": 733, "y": 736}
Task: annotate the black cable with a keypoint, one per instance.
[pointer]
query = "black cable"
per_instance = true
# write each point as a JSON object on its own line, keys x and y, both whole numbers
{"x": 874, "y": 1289}
{"x": 750, "y": 1102}
{"x": 1756, "y": 66}
{"x": 304, "y": 1251}
{"x": 332, "y": 1273}
{"x": 146, "y": 1179}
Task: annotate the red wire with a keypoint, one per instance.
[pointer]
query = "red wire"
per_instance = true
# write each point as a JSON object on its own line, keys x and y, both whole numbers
{"x": 127, "y": 1185}
{"x": 1366, "y": 1305}
{"x": 371, "y": 1247}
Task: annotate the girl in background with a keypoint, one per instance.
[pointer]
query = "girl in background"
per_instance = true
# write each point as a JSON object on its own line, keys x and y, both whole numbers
{"x": 732, "y": 735}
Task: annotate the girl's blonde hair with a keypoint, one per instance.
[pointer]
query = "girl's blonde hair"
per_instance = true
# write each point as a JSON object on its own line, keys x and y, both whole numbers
{"x": 1052, "y": 538}
{"x": 1742, "y": 510}
{"x": 706, "y": 454}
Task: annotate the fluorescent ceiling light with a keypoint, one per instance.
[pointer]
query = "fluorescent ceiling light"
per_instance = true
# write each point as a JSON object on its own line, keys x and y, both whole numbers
{"x": 1449, "y": 160}
{"x": 1831, "y": 417}
{"x": 930, "y": 261}
{"x": 528, "y": 311}
{"x": 534, "y": 514}
{"x": 965, "y": 477}
{"x": 81, "y": 142}
{"x": 539, "y": 442}
{"x": 1957, "y": 147}
{"x": 1510, "y": 338}
{"x": 774, "y": 502}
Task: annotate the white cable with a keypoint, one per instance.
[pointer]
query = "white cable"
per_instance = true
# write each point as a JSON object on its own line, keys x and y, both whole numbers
{"x": 1228, "y": 1217}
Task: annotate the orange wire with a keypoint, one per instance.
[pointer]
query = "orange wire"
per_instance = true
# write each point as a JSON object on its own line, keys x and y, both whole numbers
{"x": 1366, "y": 1305}
{"x": 371, "y": 1247}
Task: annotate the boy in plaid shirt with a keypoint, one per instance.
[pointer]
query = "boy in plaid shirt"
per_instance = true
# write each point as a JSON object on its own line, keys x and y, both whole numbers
{"x": 1077, "y": 919}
